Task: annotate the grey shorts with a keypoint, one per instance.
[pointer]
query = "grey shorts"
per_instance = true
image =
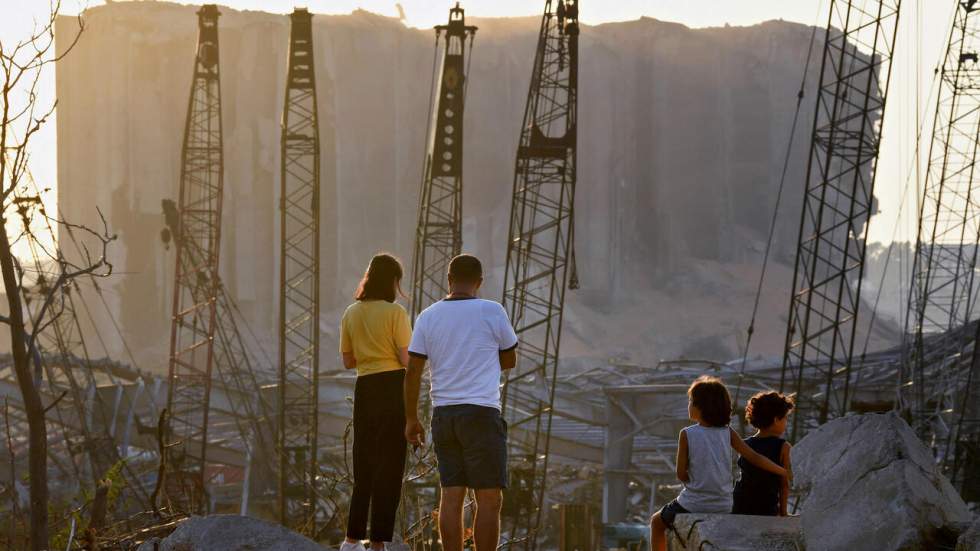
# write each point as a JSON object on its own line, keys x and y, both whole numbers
{"x": 471, "y": 446}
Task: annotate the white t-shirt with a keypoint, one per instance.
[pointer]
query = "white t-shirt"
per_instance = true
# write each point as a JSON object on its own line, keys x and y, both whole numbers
{"x": 462, "y": 340}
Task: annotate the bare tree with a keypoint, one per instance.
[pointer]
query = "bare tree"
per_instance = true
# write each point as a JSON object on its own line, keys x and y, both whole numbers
{"x": 22, "y": 115}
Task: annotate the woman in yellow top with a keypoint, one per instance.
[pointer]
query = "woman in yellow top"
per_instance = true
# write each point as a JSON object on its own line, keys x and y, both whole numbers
{"x": 374, "y": 336}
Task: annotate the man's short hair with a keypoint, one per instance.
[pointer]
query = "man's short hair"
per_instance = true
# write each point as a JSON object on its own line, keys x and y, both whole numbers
{"x": 466, "y": 268}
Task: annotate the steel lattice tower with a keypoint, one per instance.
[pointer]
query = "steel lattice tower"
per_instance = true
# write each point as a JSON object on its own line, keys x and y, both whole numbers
{"x": 935, "y": 387}
{"x": 196, "y": 278}
{"x": 439, "y": 232}
{"x": 299, "y": 283}
{"x": 837, "y": 204}
{"x": 238, "y": 376}
{"x": 537, "y": 258}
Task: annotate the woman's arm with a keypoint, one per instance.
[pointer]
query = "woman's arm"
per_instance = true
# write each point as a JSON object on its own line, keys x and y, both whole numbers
{"x": 754, "y": 457}
{"x": 682, "y": 457}
{"x": 403, "y": 335}
{"x": 346, "y": 345}
{"x": 784, "y": 487}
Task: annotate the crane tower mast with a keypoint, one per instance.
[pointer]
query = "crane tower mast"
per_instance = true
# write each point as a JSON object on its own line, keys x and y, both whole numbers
{"x": 838, "y": 200}
{"x": 937, "y": 379}
{"x": 196, "y": 282}
{"x": 538, "y": 257}
{"x": 439, "y": 232}
{"x": 299, "y": 283}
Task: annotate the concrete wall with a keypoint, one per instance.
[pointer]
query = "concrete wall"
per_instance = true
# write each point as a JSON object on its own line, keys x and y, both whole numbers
{"x": 682, "y": 139}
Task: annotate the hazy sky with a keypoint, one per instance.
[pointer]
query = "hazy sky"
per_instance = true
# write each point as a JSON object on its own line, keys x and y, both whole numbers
{"x": 922, "y": 37}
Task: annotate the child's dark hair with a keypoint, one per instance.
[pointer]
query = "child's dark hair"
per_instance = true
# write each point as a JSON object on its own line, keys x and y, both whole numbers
{"x": 710, "y": 396}
{"x": 382, "y": 279}
{"x": 765, "y": 407}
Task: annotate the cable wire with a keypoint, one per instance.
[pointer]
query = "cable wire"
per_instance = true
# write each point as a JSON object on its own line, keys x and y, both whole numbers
{"x": 775, "y": 211}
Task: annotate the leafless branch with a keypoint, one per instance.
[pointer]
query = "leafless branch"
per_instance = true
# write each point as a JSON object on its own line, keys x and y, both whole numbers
{"x": 56, "y": 400}
{"x": 99, "y": 267}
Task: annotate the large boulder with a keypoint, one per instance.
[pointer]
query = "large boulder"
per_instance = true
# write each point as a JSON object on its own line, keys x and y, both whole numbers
{"x": 868, "y": 478}
{"x": 970, "y": 539}
{"x": 231, "y": 533}
{"x": 701, "y": 532}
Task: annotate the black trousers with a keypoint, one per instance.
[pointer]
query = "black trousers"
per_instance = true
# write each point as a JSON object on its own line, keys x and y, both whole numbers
{"x": 379, "y": 454}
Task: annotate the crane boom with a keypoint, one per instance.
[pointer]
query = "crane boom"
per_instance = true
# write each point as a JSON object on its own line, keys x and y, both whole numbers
{"x": 538, "y": 258}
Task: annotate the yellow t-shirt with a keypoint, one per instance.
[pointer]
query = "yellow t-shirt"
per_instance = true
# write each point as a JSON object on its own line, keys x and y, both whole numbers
{"x": 374, "y": 330}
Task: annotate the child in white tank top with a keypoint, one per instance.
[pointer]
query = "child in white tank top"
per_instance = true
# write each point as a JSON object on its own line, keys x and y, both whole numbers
{"x": 704, "y": 459}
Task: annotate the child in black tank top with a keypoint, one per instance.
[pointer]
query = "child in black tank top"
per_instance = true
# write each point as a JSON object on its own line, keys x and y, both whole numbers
{"x": 758, "y": 492}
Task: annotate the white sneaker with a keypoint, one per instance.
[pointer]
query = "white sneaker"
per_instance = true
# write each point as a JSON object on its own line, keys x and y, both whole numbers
{"x": 347, "y": 546}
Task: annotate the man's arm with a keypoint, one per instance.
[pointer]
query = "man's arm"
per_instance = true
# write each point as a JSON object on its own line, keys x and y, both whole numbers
{"x": 508, "y": 359}
{"x": 506, "y": 339}
{"x": 753, "y": 456}
{"x": 682, "y": 457}
{"x": 784, "y": 486}
{"x": 350, "y": 362}
{"x": 414, "y": 433}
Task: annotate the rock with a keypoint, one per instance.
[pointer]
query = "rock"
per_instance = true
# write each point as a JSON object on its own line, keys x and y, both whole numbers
{"x": 697, "y": 532}
{"x": 969, "y": 540}
{"x": 868, "y": 478}
{"x": 152, "y": 544}
{"x": 231, "y": 533}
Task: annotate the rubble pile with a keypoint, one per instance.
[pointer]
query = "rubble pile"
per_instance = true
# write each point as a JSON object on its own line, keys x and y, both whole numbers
{"x": 230, "y": 533}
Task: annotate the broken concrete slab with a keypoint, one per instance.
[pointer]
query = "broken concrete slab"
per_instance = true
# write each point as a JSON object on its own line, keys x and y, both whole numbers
{"x": 231, "y": 533}
{"x": 969, "y": 540}
{"x": 869, "y": 478}
{"x": 700, "y": 532}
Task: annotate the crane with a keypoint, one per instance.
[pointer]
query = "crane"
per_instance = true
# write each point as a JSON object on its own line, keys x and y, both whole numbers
{"x": 439, "y": 232}
{"x": 299, "y": 283}
{"x": 538, "y": 260}
{"x": 198, "y": 236}
{"x": 838, "y": 200}
{"x": 938, "y": 377}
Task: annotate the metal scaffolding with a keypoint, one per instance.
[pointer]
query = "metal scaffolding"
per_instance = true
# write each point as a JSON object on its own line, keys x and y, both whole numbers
{"x": 299, "y": 283}
{"x": 537, "y": 257}
{"x": 838, "y": 200}
{"x": 196, "y": 276}
{"x": 439, "y": 232}
{"x": 70, "y": 374}
{"x": 934, "y": 392}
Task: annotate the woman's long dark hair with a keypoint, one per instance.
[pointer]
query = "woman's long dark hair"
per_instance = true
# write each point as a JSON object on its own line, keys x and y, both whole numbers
{"x": 382, "y": 280}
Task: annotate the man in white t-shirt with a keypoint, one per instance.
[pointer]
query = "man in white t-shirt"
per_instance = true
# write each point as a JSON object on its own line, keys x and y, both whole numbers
{"x": 467, "y": 341}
